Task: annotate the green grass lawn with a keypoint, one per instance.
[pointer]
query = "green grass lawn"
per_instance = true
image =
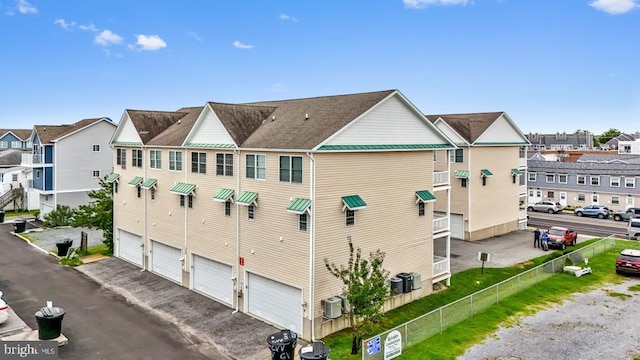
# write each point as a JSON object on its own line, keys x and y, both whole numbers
{"x": 454, "y": 341}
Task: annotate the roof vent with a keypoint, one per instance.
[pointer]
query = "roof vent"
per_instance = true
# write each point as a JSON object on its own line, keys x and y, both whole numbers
{"x": 179, "y": 121}
{"x": 273, "y": 118}
{"x": 306, "y": 116}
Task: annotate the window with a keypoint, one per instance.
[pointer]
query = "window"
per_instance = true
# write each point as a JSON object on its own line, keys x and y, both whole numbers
{"x": 291, "y": 169}
{"x": 581, "y": 179}
{"x": 514, "y": 177}
{"x": 614, "y": 181}
{"x": 4, "y": 144}
{"x": 581, "y": 197}
{"x": 227, "y": 208}
{"x": 256, "y": 166}
{"x": 152, "y": 192}
{"x": 435, "y": 156}
{"x": 181, "y": 200}
{"x": 121, "y": 158}
{"x": 595, "y": 181}
{"x": 629, "y": 182}
{"x": 551, "y": 178}
{"x": 95, "y": 173}
{"x": 198, "y": 162}
{"x": 139, "y": 190}
{"x": 455, "y": 156}
{"x": 175, "y": 160}
{"x": 16, "y": 144}
{"x": 251, "y": 212}
{"x": 190, "y": 198}
{"x": 550, "y": 194}
{"x": 530, "y": 193}
{"x": 350, "y": 217}
{"x": 420, "y": 208}
{"x": 463, "y": 182}
{"x": 14, "y": 177}
{"x": 563, "y": 178}
{"x": 303, "y": 221}
{"x": 155, "y": 157}
{"x": 594, "y": 199}
{"x": 37, "y": 174}
{"x": 115, "y": 186}
{"x": 533, "y": 177}
{"x": 484, "y": 181}
{"x": 136, "y": 158}
{"x": 224, "y": 164}
{"x": 538, "y": 194}
{"x": 615, "y": 200}
{"x": 95, "y": 148}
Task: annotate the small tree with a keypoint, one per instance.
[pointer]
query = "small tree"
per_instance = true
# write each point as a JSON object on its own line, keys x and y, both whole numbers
{"x": 61, "y": 216}
{"x": 98, "y": 214}
{"x": 366, "y": 289}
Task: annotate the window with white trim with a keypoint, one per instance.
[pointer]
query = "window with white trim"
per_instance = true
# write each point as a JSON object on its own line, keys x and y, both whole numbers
{"x": 136, "y": 158}
{"x": 533, "y": 176}
{"x": 303, "y": 221}
{"x": 256, "y": 166}
{"x": 227, "y": 208}
{"x": 594, "y": 199}
{"x": 121, "y": 158}
{"x": 349, "y": 217}
{"x": 550, "y": 194}
{"x": 224, "y": 164}
{"x": 421, "y": 208}
{"x": 595, "y": 180}
{"x": 629, "y": 182}
{"x": 16, "y": 144}
{"x": 251, "y": 212}
{"x": 175, "y": 160}
{"x": 456, "y": 156}
{"x": 581, "y": 179}
{"x": 614, "y": 181}
{"x": 155, "y": 158}
{"x": 615, "y": 200}
{"x": 95, "y": 174}
{"x": 581, "y": 197}
{"x": 291, "y": 169}
{"x": 563, "y": 178}
{"x": 152, "y": 192}
{"x": 95, "y": 147}
{"x": 199, "y": 162}
{"x": 550, "y": 178}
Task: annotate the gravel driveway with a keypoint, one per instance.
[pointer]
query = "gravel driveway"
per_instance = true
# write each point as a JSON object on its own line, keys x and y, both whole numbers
{"x": 600, "y": 324}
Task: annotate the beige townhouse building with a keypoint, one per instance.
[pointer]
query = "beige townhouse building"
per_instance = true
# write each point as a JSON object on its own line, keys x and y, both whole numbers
{"x": 243, "y": 202}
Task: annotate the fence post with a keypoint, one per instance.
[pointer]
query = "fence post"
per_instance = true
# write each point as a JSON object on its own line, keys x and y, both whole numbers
{"x": 497, "y": 294}
{"x": 441, "y": 323}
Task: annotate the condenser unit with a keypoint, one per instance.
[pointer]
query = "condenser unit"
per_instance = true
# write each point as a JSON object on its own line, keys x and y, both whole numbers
{"x": 332, "y": 307}
{"x": 346, "y": 308}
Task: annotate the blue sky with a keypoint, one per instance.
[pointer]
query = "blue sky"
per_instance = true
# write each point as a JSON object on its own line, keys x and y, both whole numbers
{"x": 552, "y": 65}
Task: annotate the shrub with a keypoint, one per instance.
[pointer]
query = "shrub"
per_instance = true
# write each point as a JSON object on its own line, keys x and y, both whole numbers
{"x": 61, "y": 216}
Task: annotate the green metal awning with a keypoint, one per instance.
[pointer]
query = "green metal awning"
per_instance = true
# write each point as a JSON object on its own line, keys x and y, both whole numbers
{"x": 462, "y": 174}
{"x": 425, "y": 196}
{"x": 112, "y": 178}
{"x": 136, "y": 181}
{"x": 149, "y": 183}
{"x": 223, "y": 195}
{"x": 299, "y": 206}
{"x": 486, "y": 172}
{"x": 183, "y": 188}
{"x": 353, "y": 202}
{"x": 247, "y": 198}
{"x": 516, "y": 172}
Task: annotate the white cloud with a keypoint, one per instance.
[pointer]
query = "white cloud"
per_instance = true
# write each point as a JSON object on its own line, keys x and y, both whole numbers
{"x": 25, "y": 8}
{"x": 63, "y": 24}
{"x": 109, "y": 53}
{"x": 89, "y": 27}
{"x": 614, "y": 7}
{"x": 285, "y": 17}
{"x": 240, "y": 45}
{"x": 149, "y": 43}
{"x": 106, "y": 37}
{"x": 194, "y": 35}
{"x": 419, "y": 4}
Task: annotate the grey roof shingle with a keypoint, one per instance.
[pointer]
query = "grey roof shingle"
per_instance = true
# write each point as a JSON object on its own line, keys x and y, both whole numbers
{"x": 23, "y": 134}
{"x": 177, "y": 126}
{"x": 469, "y": 126}
{"x": 150, "y": 124}
{"x": 583, "y": 168}
{"x": 49, "y": 133}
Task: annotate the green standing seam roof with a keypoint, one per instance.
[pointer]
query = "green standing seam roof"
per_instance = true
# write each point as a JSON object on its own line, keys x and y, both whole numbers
{"x": 462, "y": 174}
{"x": 486, "y": 172}
{"x": 386, "y": 147}
{"x": 136, "y": 181}
{"x": 112, "y": 177}
{"x": 516, "y": 172}
{"x": 299, "y": 206}
{"x": 183, "y": 188}
{"x": 353, "y": 202}
{"x": 223, "y": 195}
{"x": 247, "y": 198}
{"x": 149, "y": 183}
{"x": 425, "y": 196}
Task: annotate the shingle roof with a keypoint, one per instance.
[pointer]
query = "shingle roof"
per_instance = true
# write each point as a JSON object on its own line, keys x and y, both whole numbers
{"x": 177, "y": 129}
{"x": 469, "y": 126}
{"x": 150, "y": 124}
{"x": 23, "y": 134}
{"x": 49, "y": 133}
{"x": 584, "y": 168}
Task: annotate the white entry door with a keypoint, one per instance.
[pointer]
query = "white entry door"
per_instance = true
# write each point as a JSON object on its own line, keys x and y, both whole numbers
{"x": 275, "y": 302}
{"x": 166, "y": 261}
{"x": 563, "y": 199}
{"x": 212, "y": 278}
{"x": 130, "y": 247}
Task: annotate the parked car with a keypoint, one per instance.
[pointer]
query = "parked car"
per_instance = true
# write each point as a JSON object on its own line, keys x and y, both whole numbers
{"x": 545, "y": 206}
{"x": 599, "y": 211}
{"x": 4, "y": 310}
{"x": 628, "y": 262}
{"x": 626, "y": 215}
{"x": 633, "y": 228}
{"x": 560, "y": 237}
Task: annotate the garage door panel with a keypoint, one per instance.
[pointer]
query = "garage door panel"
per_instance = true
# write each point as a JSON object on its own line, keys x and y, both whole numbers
{"x": 165, "y": 260}
{"x": 213, "y": 278}
{"x": 130, "y": 247}
{"x": 275, "y": 302}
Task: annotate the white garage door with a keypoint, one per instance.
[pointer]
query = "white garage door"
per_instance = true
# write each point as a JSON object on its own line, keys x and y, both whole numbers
{"x": 130, "y": 247}
{"x": 212, "y": 278}
{"x": 165, "y": 260}
{"x": 275, "y": 302}
{"x": 457, "y": 226}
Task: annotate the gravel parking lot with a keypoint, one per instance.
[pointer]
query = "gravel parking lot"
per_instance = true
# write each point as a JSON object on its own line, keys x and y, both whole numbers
{"x": 600, "y": 324}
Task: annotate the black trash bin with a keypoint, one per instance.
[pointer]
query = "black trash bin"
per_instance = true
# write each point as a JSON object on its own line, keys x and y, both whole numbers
{"x": 1, "y": 216}
{"x": 314, "y": 351}
{"x": 407, "y": 281}
{"x": 19, "y": 225}
{"x": 282, "y": 344}
{"x": 49, "y": 321}
{"x": 63, "y": 247}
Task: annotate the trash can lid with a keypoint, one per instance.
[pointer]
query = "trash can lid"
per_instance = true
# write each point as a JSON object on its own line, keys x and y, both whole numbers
{"x": 315, "y": 350}
{"x": 50, "y": 312}
{"x": 282, "y": 337}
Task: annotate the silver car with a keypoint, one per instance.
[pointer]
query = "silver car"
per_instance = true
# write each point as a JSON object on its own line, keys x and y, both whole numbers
{"x": 633, "y": 228}
{"x": 545, "y": 206}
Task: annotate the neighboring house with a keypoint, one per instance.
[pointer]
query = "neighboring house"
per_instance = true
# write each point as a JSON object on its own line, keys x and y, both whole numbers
{"x": 18, "y": 139}
{"x": 487, "y": 174}
{"x": 67, "y": 162}
{"x": 612, "y": 144}
{"x": 629, "y": 147}
{"x": 595, "y": 180}
{"x": 13, "y": 182}
{"x": 11, "y": 158}
{"x": 243, "y": 202}
{"x": 560, "y": 141}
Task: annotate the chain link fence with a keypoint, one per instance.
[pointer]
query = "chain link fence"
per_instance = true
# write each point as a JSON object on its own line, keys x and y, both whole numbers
{"x": 421, "y": 328}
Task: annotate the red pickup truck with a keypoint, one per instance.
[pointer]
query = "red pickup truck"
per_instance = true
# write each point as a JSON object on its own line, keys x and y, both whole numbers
{"x": 560, "y": 237}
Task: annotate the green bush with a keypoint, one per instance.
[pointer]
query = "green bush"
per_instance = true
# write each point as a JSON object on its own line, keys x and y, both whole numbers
{"x": 61, "y": 216}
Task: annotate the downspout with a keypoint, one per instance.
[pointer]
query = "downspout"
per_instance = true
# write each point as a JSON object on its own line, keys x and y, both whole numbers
{"x": 186, "y": 224}
{"x": 238, "y": 283}
{"x": 145, "y": 219}
{"x": 469, "y": 196}
{"x": 312, "y": 246}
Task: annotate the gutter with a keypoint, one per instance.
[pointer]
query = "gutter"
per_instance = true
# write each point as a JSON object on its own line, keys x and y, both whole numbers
{"x": 312, "y": 246}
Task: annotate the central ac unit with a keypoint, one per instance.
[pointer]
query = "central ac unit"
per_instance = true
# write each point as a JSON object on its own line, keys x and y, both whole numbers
{"x": 346, "y": 308}
{"x": 331, "y": 307}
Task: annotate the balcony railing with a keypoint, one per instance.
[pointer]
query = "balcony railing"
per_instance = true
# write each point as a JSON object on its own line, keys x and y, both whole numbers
{"x": 440, "y": 265}
{"x": 522, "y": 189}
{"x": 440, "y": 178}
{"x": 522, "y": 162}
{"x": 31, "y": 159}
{"x": 522, "y": 214}
{"x": 440, "y": 223}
